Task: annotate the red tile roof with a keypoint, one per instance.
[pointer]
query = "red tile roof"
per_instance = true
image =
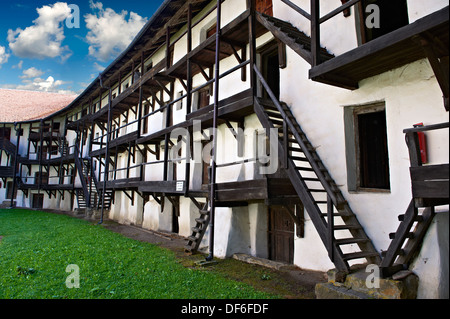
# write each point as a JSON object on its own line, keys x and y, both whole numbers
{"x": 20, "y": 105}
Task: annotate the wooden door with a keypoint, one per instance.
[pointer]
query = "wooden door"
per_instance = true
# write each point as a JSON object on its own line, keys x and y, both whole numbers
{"x": 281, "y": 235}
{"x": 38, "y": 201}
{"x": 393, "y": 15}
{"x": 264, "y": 6}
{"x": 206, "y": 161}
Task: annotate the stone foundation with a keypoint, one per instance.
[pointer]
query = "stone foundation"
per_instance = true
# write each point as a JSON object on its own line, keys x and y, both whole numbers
{"x": 402, "y": 285}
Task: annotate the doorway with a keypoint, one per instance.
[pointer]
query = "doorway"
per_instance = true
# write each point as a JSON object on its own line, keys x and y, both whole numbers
{"x": 393, "y": 15}
{"x": 270, "y": 67}
{"x": 38, "y": 201}
{"x": 281, "y": 235}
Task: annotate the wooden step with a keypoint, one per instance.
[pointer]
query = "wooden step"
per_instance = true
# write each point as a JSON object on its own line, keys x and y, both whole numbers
{"x": 349, "y": 241}
{"x": 277, "y": 122}
{"x": 298, "y": 158}
{"x": 192, "y": 238}
{"x": 361, "y": 254}
{"x": 295, "y": 149}
{"x": 196, "y": 230}
{"x": 335, "y": 215}
{"x": 409, "y": 236}
{"x": 201, "y": 220}
{"x": 417, "y": 219}
{"x": 310, "y": 179}
{"x": 346, "y": 227}
{"x": 312, "y": 190}
{"x": 273, "y": 112}
{"x": 401, "y": 252}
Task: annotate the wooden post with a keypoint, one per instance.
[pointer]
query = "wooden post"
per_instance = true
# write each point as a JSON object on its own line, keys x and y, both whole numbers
{"x": 187, "y": 178}
{"x": 16, "y": 162}
{"x": 168, "y": 47}
{"x": 315, "y": 32}
{"x": 139, "y": 126}
{"x": 252, "y": 43}
{"x": 285, "y": 145}
{"x": 412, "y": 140}
{"x": 41, "y": 144}
{"x": 214, "y": 148}
{"x": 108, "y": 136}
{"x": 189, "y": 65}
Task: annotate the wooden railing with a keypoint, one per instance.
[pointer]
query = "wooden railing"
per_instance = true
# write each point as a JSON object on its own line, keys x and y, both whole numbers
{"x": 430, "y": 183}
{"x": 316, "y": 20}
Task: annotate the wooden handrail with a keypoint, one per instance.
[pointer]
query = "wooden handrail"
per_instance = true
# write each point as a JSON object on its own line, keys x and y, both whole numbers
{"x": 291, "y": 126}
{"x": 427, "y": 128}
{"x": 338, "y": 10}
{"x": 298, "y": 9}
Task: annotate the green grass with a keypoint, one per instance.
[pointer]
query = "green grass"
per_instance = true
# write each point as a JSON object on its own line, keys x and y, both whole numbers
{"x": 36, "y": 248}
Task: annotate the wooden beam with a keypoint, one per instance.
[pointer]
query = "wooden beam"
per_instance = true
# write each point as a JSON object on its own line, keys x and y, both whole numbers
{"x": 439, "y": 66}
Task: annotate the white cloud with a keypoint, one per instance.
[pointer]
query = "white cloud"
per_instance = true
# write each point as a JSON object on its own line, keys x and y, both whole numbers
{"x": 98, "y": 67}
{"x": 18, "y": 65}
{"x": 47, "y": 85}
{"x": 3, "y": 56}
{"x": 44, "y": 38}
{"x": 110, "y": 32}
{"x": 31, "y": 73}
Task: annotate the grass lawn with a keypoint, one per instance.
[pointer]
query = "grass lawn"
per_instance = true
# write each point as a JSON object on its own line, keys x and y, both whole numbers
{"x": 37, "y": 247}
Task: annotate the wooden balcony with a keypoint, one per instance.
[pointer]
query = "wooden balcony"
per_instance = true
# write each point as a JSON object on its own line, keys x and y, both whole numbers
{"x": 387, "y": 52}
{"x": 429, "y": 183}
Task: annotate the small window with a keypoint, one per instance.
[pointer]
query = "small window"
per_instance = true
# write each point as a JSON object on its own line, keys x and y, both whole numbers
{"x": 56, "y": 127}
{"x": 179, "y": 104}
{"x": 366, "y": 148}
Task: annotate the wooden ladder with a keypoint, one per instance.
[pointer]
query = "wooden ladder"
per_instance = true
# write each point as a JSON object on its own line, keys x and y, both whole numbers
{"x": 406, "y": 240}
{"x": 337, "y": 225}
{"x": 200, "y": 228}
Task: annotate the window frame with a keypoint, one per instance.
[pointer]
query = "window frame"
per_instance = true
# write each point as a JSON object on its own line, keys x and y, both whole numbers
{"x": 353, "y": 153}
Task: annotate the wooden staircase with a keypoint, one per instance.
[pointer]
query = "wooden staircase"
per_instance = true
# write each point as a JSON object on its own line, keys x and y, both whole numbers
{"x": 337, "y": 225}
{"x": 90, "y": 196}
{"x": 200, "y": 228}
{"x": 319, "y": 193}
{"x": 430, "y": 188}
{"x": 292, "y": 37}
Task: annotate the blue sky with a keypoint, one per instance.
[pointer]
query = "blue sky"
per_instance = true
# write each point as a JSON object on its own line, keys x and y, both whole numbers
{"x": 43, "y": 49}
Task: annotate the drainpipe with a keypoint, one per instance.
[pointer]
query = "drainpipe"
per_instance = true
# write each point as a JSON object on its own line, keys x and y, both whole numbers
{"x": 214, "y": 149}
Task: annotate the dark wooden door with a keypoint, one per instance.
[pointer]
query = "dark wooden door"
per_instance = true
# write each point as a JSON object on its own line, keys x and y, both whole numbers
{"x": 264, "y": 6}
{"x": 281, "y": 235}
{"x": 206, "y": 161}
{"x": 38, "y": 201}
{"x": 270, "y": 65}
{"x": 393, "y": 15}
